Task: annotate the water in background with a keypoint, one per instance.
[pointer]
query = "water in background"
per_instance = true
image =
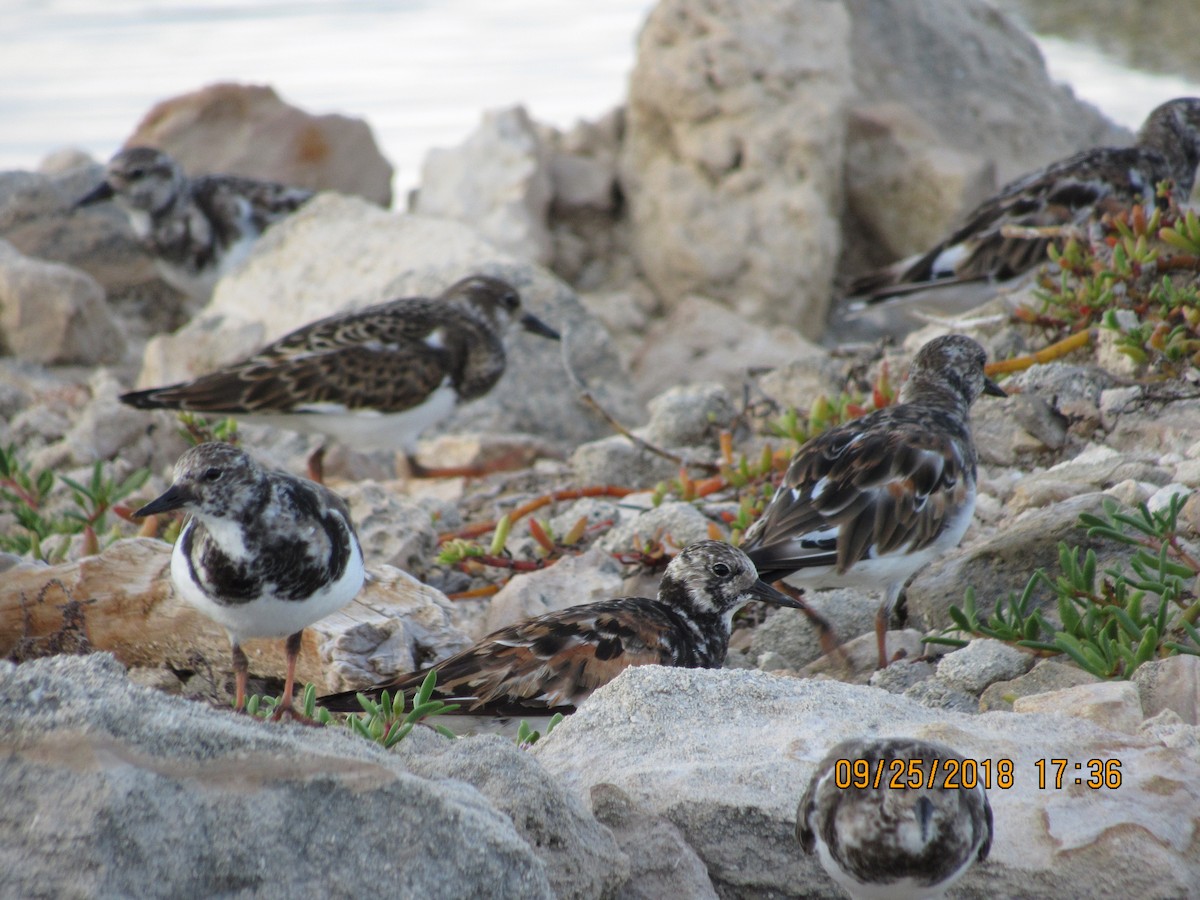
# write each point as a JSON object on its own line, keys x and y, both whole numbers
{"x": 83, "y": 72}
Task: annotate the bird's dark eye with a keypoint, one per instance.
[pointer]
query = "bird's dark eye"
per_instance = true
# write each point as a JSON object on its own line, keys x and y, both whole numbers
{"x": 212, "y": 474}
{"x": 720, "y": 570}
{"x": 510, "y": 301}
{"x": 135, "y": 174}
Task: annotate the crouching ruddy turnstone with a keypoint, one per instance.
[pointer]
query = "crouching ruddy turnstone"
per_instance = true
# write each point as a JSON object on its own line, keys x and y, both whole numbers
{"x": 868, "y": 503}
{"x": 890, "y": 842}
{"x": 196, "y": 229}
{"x": 263, "y": 554}
{"x": 1071, "y": 191}
{"x": 375, "y": 378}
{"x": 554, "y": 662}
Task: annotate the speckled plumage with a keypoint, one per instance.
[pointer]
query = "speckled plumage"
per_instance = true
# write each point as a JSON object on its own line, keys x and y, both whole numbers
{"x": 554, "y": 662}
{"x": 376, "y": 377}
{"x": 195, "y": 228}
{"x": 1071, "y": 191}
{"x": 895, "y": 843}
{"x": 869, "y": 502}
{"x": 263, "y": 554}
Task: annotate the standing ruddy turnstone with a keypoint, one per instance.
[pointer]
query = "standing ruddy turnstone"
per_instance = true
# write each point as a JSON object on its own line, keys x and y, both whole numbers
{"x": 868, "y": 503}
{"x": 373, "y": 379}
{"x": 1070, "y": 192}
{"x": 909, "y": 835}
{"x": 196, "y": 229}
{"x": 263, "y": 554}
{"x": 554, "y": 662}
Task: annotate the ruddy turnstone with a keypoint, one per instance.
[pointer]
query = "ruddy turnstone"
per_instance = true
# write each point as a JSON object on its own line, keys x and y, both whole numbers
{"x": 263, "y": 554}
{"x": 554, "y": 662}
{"x": 895, "y": 843}
{"x": 868, "y": 503}
{"x": 197, "y": 229}
{"x": 375, "y": 378}
{"x": 1070, "y": 192}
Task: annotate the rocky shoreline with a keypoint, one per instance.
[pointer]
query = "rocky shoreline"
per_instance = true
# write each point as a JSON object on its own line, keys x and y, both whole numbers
{"x": 687, "y": 247}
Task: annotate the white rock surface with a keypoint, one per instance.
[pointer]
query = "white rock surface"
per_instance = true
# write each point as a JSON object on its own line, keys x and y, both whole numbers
{"x": 498, "y": 181}
{"x": 982, "y": 662}
{"x": 732, "y": 157}
{"x": 1111, "y": 704}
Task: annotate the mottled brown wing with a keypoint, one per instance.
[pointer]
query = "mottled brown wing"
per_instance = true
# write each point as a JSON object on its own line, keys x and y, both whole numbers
{"x": 551, "y": 662}
{"x": 1067, "y": 192}
{"x": 877, "y": 484}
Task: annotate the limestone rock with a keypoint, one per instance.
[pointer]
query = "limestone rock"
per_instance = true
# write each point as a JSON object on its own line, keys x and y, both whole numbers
{"x": 732, "y": 157}
{"x": 1046, "y": 676}
{"x": 130, "y": 608}
{"x": 53, "y": 314}
{"x": 573, "y": 580}
{"x": 392, "y": 530}
{"x": 497, "y": 181}
{"x": 244, "y": 129}
{"x": 701, "y": 339}
{"x": 165, "y": 798}
{"x": 896, "y": 165}
{"x": 1172, "y": 683}
{"x": 1110, "y": 704}
{"x": 731, "y": 781}
{"x": 982, "y": 662}
{"x": 689, "y": 416}
{"x": 617, "y": 460}
{"x": 338, "y": 253}
{"x": 675, "y": 523}
{"x": 792, "y": 635}
{"x": 661, "y": 862}
{"x": 581, "y": 856}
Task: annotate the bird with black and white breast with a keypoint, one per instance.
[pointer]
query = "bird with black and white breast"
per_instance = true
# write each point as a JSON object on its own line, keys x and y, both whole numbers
{"x": 197, "y": 229}
{"x": 553, "y": 663}
{"x": 869, "y": 502}
{"x": 911, "y": 834}
{"x": 374, "y": 378}
{"x": 262, "y": 553}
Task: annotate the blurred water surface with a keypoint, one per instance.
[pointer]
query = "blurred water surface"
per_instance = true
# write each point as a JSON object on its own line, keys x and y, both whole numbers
{"x": 82, "y": 72}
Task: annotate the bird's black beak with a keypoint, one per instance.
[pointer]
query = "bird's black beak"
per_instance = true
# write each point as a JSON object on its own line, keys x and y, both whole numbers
{"x": 533, "y": 324}
{"x": 103, "y": 191}
{"x": 174, "y": 498}
{"x": 767, "y": 594}
{"x": 990, "y": 387}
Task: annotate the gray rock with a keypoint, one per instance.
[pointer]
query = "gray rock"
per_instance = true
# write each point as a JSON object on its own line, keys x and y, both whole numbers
{"x": 725, "y": 755}
{"x": 1047, "y": 675}
{"x": 161, "y": 797}
{"x": 1173, "y": 732}
{"x": 857, "y": 659}
{"x": 53, "y": 314}
{"x": 701, "y": 339}
{"x": 497, "y": 181}
{"x": 679, "y": 522}
{"x": 935, "y": 693}
{"x": 793, "y": 635}
{"x": 982, "y": 662}
{"x": 573, "y": 580}
{"x": 581, "y": 856}
{"x": 393, "y": 530}
{"x": 1003, "y": 562}
{"x": 292, "y": 278}
{"x": 661, "y": 862}
{"x": 901, "y": 675}
{"x": 246, "y": 129}
{"x": 732, "y": 156}
{"x": 1172, "y": 683}
{"x": 690, "y": 415}
{"x": 616, "y": 460}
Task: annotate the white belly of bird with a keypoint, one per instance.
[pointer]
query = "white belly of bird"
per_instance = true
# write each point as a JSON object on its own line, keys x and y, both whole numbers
{"x": 364, "y": 429}
{"x": 200, "y": 284}
{"x": 268, "y": 616}
{"x": 890, "y": 568}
